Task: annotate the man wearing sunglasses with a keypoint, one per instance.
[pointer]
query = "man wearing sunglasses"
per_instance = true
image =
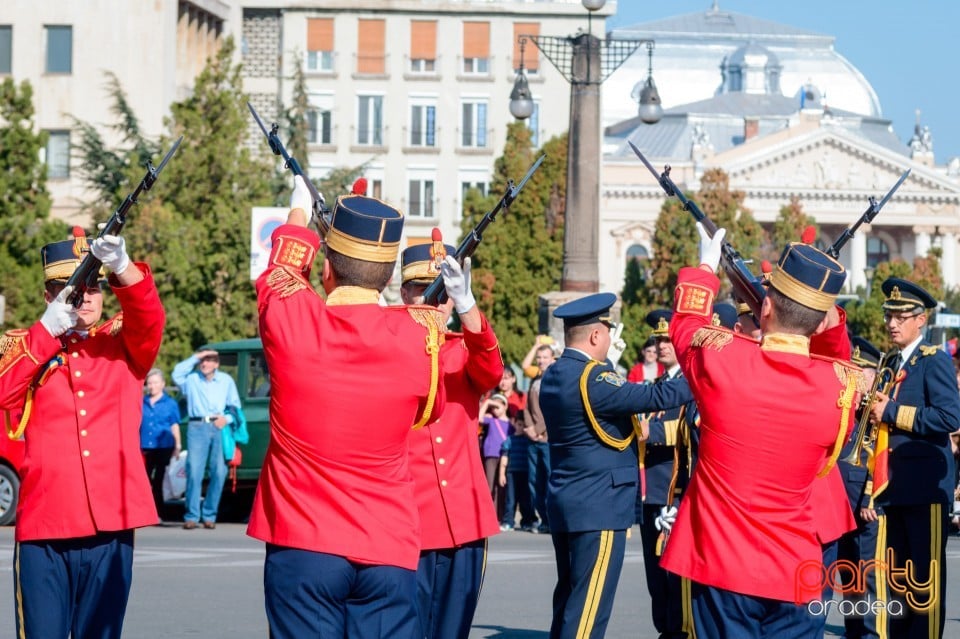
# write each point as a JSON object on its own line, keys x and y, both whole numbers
{"x": 913, "y": 474}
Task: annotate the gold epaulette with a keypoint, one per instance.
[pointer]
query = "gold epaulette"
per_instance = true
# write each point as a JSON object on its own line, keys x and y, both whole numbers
{"x": 286, "y": 282}
{"x": 845, "y": 370}
{"x": 13, "y": 346}
{"x": 111, "y": 327}
{"x": 427, "y": 316}
{"x": 712, "y": 337}
{"x": 928, "y": 350}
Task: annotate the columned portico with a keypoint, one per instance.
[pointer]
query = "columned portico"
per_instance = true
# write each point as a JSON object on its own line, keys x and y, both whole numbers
{"x": 858, "y": 260}
{"x": 948, "y": 264}
{"x": 922, "y": 237}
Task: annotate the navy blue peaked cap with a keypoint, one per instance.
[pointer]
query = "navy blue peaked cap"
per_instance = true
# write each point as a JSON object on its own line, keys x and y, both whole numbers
{"x": 864, "y": 354}
{"x": 903, "y": 295}
{"x": 659, "y": 321}
{"x": 365, "y": 228}
{"x": 808, "y": 276}
{"x": 586, "y": 310}
{"x": 725, "y": 315}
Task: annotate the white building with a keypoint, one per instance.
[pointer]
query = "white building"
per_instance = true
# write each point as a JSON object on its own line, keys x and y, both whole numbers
{"x": 755, "y": 107}
{"x": 417, "y": 90}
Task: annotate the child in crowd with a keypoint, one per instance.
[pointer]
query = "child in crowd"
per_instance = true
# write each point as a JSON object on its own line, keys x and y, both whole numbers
{"x": 514, "y": 479}
{"x": 496, "y": 429}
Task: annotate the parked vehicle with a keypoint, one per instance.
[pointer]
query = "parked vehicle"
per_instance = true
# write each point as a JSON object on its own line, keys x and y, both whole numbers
{"x": 11, "y": 459}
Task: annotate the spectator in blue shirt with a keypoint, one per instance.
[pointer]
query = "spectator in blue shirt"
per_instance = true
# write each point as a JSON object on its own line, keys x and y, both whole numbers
{"x": 208, "y": 393}
{"x": 159, "y": 432}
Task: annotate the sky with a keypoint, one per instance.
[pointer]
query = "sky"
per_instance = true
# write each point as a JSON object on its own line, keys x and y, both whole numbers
{"x": 905, "y": 48}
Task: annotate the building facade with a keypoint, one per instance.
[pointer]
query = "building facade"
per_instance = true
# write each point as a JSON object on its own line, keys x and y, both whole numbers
{"x": 757, "y": 109}
{"x": 66, "y": 51}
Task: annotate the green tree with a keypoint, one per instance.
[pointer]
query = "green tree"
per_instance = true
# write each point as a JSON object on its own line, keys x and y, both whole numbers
{"x": 196, "y": 233}
{"x": 789, "y": 227}
{"x": 522, "y": 251}
{"x": 296, "y": 115}
{"x": 24, "y": 206}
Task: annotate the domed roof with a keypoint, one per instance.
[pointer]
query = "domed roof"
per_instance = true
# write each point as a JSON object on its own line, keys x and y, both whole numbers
{"x": 754, "y": 55}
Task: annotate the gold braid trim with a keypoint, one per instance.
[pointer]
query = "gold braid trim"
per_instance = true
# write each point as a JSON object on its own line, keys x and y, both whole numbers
{"x": 605, "y": 437}
{"x": 709, "y": 337}
{"x": 284, "y": 282}
{"x": 13, "y": 346}
{"x": 845, "y": 403}
{"x": 432, "y": 320}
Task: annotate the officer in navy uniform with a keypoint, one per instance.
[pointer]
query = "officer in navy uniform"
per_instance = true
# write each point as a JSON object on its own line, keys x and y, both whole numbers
{"x": 665, "y": 467}
{"x": 860, "y": 544}
{"x": 590, "y": 412}
{"x": 915, "y": 486}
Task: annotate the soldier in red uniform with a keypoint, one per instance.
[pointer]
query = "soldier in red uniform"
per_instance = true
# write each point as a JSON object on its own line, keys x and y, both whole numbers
{"x": 349, "y": 378}
{"x": 456, "y": 512}
{"x": 762, "y": 446}
{"x": 79, "y": 385}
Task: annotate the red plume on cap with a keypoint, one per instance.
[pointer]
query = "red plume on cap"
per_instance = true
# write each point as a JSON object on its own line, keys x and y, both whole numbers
{"x": 360, "y": 186}
{"x": 809, "y": 235}
{"x": 437, "y": 251}
{"x": 79, "y": 232}
{"x": 79, "y": 241}
{"x": 766, "y": 268}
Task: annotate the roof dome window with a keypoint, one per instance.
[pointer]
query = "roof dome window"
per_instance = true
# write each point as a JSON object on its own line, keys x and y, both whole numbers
{"x": 751, "y": 69}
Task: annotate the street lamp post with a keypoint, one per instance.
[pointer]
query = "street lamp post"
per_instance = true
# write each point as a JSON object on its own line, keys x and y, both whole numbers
{"x": 585, "y": 61}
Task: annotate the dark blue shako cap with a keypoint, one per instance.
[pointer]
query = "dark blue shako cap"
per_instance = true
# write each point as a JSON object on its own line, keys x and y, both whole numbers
{"x": 418, "y": 263}
{"x": 586, "y": 310}
{"x": 365, "y": 228}
{"x": 808, "y": 276}
{"x": 903, "y": 295}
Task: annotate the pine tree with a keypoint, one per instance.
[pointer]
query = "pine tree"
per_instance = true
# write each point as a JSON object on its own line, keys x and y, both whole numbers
{"x": 24, "y": 206}
{"x": 789, "y": 227}
{"x": 521, "y": 255}
{"x": 298, "y": 126}
{"x": 195, "y": 232}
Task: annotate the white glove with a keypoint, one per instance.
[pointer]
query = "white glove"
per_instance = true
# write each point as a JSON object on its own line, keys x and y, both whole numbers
{"x": 617, "y": 345}
{"x": 301, "y": 198}
{"x": 112, "y": 251}
{"x": 457, "y": 282}
{"x": 60, "y": 315}
{"x": 710, "y": 248}
{"x": 668, "y": 515}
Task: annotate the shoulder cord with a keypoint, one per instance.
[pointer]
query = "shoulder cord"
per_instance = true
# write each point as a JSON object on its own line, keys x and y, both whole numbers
{"x": 433, "y": 349}
{"x": 37, "y": 382}
{"x": 845, "y": 403}
{"x": 605, "y": 437}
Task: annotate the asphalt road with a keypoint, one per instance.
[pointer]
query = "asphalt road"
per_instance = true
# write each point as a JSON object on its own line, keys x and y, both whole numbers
{"x": 208, "y": 583}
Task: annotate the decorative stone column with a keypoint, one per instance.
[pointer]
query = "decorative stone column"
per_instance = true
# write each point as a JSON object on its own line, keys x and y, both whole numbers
{"x": 921, "y": 240}
{"x": 858, "y": 260}
{"x": 948, "y": 263}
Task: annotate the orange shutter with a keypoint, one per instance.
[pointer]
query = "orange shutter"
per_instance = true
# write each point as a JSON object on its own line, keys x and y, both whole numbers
{"x": 423, "y": 39}
{"x": 476, "y": 39}
{"x": 414, "y": 241}
{"x": 531, "y": 57}
{"x": 320, "y": 34}
{"x": 370, "y": 54}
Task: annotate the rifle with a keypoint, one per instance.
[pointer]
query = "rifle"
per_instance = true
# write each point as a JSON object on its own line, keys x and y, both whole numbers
{"x": 435, "y": 293}
{"x": 88, "y": 272}
{"x": 320, "y": 214}
{"x": 746, "y": 286}
{"x": 872, "y": 209}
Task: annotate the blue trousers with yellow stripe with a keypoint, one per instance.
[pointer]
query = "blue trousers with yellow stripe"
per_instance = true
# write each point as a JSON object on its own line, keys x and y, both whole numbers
{"x": 588, "y": 569}
{"x": 918, "y": 535}
{"x": 448, "y": 587}
{"x": 75, "y": 587}
{"x": 724, "y": 614}
{"x": 669, "y": 599}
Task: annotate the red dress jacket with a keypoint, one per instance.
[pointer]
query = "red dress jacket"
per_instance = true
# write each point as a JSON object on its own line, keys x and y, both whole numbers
{"x": 83, "y": 471}
{"x": 451, "y": 488}
{"x": 769, "y": 418}
{"x": 348, "y": 379}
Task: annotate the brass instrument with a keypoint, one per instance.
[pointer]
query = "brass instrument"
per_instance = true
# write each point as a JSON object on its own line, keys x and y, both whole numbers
{"x": 865, "y": 434}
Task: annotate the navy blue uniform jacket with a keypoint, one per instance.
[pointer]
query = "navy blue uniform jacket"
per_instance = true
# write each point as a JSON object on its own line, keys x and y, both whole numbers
{"x": 593, "y": 486}
{"x": 923, "y": 410}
